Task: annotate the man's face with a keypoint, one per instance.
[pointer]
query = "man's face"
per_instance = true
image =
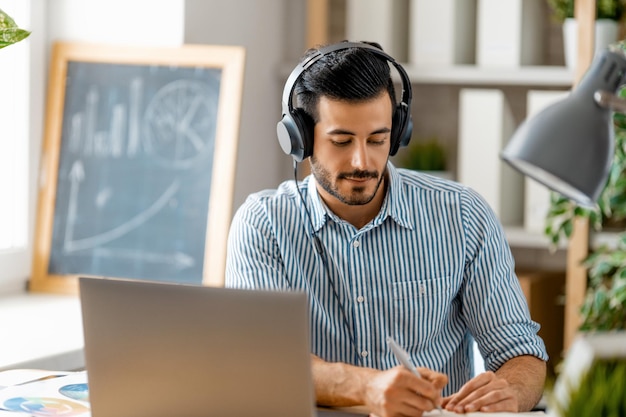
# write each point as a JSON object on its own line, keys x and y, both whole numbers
{"x": 350, "y": 149}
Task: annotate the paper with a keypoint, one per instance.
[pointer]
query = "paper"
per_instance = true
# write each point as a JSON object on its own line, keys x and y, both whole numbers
{"x": 444, "y": 413}
{"x": 49, "y": 395}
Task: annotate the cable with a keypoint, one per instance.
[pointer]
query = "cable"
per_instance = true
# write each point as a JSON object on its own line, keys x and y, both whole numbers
{"x": 319, "y": 248}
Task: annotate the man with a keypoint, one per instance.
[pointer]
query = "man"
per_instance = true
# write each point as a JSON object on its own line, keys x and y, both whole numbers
{"x": 385, "y": 252}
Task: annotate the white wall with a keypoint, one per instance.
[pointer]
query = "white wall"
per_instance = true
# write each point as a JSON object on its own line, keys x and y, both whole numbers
{"x": 130, "y": 22}
{"x": 270, "y": 30}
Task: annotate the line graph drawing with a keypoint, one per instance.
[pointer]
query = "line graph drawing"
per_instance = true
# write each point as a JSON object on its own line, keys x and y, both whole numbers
{"x": 77, "y": 174}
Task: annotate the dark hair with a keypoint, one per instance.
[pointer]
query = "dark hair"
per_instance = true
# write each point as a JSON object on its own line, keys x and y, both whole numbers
{"x": 352, "y": 74}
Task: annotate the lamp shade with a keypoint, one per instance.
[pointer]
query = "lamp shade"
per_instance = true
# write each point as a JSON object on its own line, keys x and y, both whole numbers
{"x": 569, "y": 145}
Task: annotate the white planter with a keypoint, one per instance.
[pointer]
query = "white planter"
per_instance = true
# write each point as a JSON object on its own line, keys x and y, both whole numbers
{"x": 485, "y": 126}
{"x": 606, "y": 32}
{"x": 442, "y": 33}
{"x": 509, "y": 33}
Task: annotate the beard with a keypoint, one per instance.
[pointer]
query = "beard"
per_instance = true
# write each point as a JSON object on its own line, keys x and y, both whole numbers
{"x": 357, "y": 196}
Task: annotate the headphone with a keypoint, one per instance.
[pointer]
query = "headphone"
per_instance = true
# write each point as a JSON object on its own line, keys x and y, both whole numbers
{"x": 295, "y": 129}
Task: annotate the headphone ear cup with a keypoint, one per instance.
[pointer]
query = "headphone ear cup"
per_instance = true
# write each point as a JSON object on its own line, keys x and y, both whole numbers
{"x": 401, "y": 128}
{"x": 295, "y": 134}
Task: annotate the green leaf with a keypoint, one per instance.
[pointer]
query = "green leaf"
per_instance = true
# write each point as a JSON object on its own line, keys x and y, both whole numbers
{"x": 10, "y": 33}
{"x": 11, "y": 36}
{"x": 568, "y": 227}
{"x": 599, "y": 392}
{"x": 6, "y": 21}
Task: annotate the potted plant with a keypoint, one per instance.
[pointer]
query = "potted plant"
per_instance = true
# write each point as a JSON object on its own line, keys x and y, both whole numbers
{"x": 593, "y": 379}
{"x": 608, "y": 15}
{"x": 10, "y": 33}
{"x": 424, "y": 155}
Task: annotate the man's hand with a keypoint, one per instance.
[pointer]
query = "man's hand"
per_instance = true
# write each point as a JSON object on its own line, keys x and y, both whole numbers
{"x": 394, "y": 392}
{"x": 398, "y": 392}
{"x": 486, "y": 392}
{"x": 516, "y": 386}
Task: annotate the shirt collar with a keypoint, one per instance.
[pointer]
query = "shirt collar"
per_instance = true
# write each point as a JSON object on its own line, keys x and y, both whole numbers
{"x": 395, "y": 204}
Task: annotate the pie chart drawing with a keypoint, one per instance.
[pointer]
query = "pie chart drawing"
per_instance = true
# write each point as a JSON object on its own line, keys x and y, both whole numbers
{"x": 42, "y": 406}
{"x": 78, "y": 392}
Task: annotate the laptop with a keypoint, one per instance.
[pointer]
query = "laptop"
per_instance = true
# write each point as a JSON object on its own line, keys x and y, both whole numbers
{"x": 155, "y": 349}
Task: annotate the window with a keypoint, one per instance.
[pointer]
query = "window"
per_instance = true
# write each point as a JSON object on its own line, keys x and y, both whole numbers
{"x": 15, "y": 140}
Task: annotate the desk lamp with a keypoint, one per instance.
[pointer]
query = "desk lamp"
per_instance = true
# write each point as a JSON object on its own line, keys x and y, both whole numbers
{"x": 568, "y": 146}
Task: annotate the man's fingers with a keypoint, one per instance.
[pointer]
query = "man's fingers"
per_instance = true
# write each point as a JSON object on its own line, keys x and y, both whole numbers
{"x": 470, "y": 387}
{"x": 399, "y": 392}
{"x": 487, "y": 399}
{"x": 487, "y": 394}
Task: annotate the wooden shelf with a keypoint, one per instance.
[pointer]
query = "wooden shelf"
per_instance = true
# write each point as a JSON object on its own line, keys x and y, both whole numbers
{"x": 610, "y": 239}
{"x": 519, "y": 237}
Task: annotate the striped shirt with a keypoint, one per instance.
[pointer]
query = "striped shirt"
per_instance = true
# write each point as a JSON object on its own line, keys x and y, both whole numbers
{"x": 433, "y": 269}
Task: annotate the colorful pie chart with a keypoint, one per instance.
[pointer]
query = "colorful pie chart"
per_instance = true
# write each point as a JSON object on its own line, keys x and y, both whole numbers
{"x": 41, "y": 406}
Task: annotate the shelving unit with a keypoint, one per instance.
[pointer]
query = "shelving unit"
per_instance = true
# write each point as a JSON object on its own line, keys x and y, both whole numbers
{"x": 540, "y": 77}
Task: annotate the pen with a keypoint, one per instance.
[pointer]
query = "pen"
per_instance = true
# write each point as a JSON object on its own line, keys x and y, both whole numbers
{"x": 404, "y": 359}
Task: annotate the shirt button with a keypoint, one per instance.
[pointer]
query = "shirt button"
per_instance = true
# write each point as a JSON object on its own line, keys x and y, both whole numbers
{"x": 356, "y": 244}
{"x": 360, "y": 298}
{"x": 364, "y": 353}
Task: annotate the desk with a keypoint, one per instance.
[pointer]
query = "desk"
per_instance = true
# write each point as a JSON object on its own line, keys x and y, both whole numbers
{"x": 39, "y": 393}
{"x": 67, "y": 392}
{"x": 41, "y": 331}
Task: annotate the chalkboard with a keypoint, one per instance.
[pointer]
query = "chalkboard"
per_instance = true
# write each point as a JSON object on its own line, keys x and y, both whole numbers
{"x": 137, "y": 164}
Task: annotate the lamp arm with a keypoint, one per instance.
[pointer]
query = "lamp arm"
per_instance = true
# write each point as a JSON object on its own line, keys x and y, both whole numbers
{"x": 609, "y": 100}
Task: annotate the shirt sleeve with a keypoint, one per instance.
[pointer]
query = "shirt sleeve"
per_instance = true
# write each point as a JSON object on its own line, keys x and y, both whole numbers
{"x": 253, "y": 258}
{"x": 493, "y": 302}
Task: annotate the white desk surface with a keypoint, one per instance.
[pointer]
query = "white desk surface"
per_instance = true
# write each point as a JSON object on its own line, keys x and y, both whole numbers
{"x": 41, "y": 331}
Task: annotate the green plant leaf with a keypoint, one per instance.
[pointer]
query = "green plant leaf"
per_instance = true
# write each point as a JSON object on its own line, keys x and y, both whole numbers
{"x": 11, "y": 36}
{"x": 10, "y": 33}
{"x": 423, "y": 155}
{"x": 599, "y": 392}
{"x": 605, "y": 9}
{"x": 6, "y": 21}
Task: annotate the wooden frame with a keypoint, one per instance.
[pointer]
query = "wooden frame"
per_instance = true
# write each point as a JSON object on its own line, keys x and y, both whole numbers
{"x": 204, "y": 112}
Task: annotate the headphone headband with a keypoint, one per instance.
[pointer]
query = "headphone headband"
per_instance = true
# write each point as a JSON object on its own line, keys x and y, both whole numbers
{"x": 296, "y": 73}
{"x": 295, "y": 129}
